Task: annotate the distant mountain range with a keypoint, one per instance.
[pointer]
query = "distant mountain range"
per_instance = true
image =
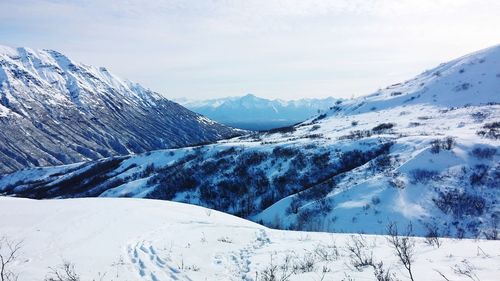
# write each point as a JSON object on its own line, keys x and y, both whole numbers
{"x": 254, "y": 113}
{"x": 56, "y": 111}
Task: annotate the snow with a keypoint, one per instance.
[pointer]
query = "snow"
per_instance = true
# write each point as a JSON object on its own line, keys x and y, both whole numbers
{"x": 139, "y": 239}
{"x": 57, "y": 111}
{"x": 255, "y": 113}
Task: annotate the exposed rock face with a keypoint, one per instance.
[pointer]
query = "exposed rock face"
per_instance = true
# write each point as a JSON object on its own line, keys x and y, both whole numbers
{"x": 56, "y": 111}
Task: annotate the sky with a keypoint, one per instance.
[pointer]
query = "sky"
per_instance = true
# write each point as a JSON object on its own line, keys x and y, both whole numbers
{"x": 286, "y": 49}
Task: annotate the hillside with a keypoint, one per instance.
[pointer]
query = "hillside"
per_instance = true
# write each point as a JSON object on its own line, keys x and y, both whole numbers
{"x": 250, "y": 112}
{"x": 56, "y": 111}
{"x": 423, "y": 151}
{"x": 102, "y": 239}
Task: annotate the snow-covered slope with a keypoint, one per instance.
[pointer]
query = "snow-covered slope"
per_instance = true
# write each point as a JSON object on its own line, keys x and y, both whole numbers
{"x": 424, "y": 151}
{"x": 254, "y": 113}
{"x": 133, "y": 239}
{"x": 55, "y": 111}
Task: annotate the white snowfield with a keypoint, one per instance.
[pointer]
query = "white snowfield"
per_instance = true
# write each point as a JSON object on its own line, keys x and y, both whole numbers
{"x": 442, "y": 169}
{"x": 140, "y": 239}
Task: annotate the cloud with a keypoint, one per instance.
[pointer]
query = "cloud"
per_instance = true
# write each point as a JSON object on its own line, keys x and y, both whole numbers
{"x": 276, "y": 48}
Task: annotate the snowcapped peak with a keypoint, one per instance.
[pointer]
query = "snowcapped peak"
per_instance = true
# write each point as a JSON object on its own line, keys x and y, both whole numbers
{"x": 94, "y": 112}
{"x": 472, "y": 79}
{"x": 250, "y": 97}
{"x": 6, "y": 50}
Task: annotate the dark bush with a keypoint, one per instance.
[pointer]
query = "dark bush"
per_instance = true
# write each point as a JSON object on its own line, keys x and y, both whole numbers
{"x": 314, "y": 136}
{"x": 321, "y": 160}
{"x": 315, "y": 127}
{"x": 207, "y": 193}
{"x": 253, "y": 158}
{"x": 260, "y": 182}
{"x": 181, "y": 180}
{"x": 283, "y": 130}
{"x": 447, "y": 144}
{"x": 294, "y": 206}
{"x": 150, "y": 168}
{"x": 490, "y": 130}
{"x": 351, "y": 159}
{"x": 356, "y": 135}
{"x": 479, "y": 175}
{"x": 232, "y": 186}
{"x": 381, "y": 163}
{"x": 322, "y": 116}
{"x": 460, "y": 203}
{"x": 267, "y": 200}
{"x": 323, "y": 205}
{"x": 316, "y": 192}
{"x": 462, "y": 87}
{"x": 483, "y": 153}
{"x": 285, "y": 152}
{"x": 209, "y": 167}
{"x": 435, "y": 146}
{"x": 382, "y": 127}
{"x": 479, "y": 116}
{"x": 305, "y": 217}
{"x": 299, "y": 162}
{"x": 422, "y": 176}
{"x": 226, "y": 152}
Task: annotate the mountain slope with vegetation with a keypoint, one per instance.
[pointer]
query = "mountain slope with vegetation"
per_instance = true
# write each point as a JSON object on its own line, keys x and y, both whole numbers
{"x": 55, "y": 111}
{"x": 424, "y": 151}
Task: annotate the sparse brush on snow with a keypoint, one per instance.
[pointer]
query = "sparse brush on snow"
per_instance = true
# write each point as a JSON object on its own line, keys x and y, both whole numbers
{"x": 403, "y": 245}
{"x": 9, "y": 251}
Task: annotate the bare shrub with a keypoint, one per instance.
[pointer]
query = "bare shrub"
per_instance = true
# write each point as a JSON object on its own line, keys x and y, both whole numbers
{"x": 383, "y": 274}
{"x": 432, "y": 236}
{"x": 225, "y": 239}
{"x": 327, "y": 253}
{"x": 64, "y": 272}
{"x": 465, "y": 268}
{"x": 274, "y": 272}
{"x": 404, "y": 246}
{"x": 8, "y": 256}
{"x": 304, "y": 264}
{"x": 359, "y": 254}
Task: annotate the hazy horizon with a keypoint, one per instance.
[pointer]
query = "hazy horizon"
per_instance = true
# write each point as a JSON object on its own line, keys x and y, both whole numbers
{"x": 272, "y": 49}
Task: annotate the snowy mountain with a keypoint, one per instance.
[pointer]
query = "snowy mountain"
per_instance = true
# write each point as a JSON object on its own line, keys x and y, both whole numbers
{"x": 102, "y": 239}
{"x": 56, "y": 111}
{"x": 424, "y": 151}
{"x": 253, "y": 113}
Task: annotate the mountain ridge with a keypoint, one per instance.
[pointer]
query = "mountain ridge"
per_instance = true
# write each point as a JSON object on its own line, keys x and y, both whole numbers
{"x": 255, "y": 113}
{"x": 57, "y": 111}
{"x": 424, "y": 151}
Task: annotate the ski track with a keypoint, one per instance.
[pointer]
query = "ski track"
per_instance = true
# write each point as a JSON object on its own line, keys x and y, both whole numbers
{"x": 240, "y": 260}
{"x": 150, "y": 265}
